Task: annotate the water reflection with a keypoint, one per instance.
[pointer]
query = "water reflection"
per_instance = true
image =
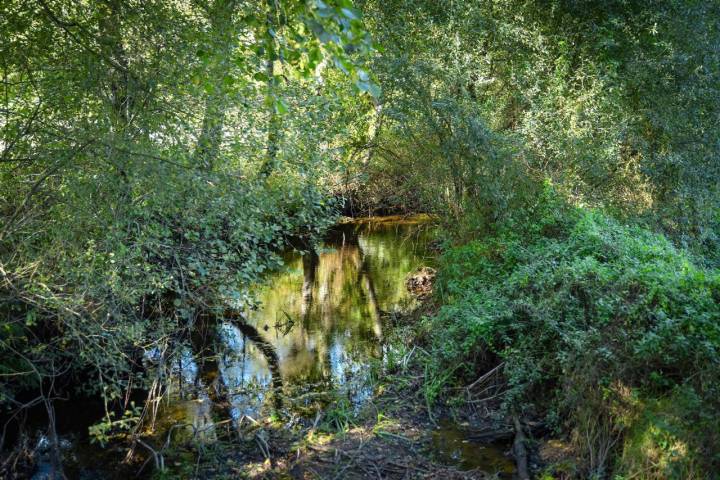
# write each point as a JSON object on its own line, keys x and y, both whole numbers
{"x": 319, "y": 324}
{"x": 323, "y": 314}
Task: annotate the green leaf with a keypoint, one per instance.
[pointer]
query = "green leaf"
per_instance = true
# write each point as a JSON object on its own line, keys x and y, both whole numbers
{"x": 369, "y": 87}
{"x": 280, "y": 106}
{"x": 350, "y": 13}
{"x": 343, "y": 65}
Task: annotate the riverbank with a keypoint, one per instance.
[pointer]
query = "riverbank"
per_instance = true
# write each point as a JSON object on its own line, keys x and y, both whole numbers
{"x": 358, "y": 411}
{"x": 595, "y": 327}
{"x": 341, "y": 372}
{"x": 319, "y": 377}
{"x": 392, "y": 435}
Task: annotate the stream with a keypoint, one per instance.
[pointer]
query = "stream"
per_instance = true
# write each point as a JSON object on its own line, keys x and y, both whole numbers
{"x": 318, "y": 328}
{"x": 319, "y": 325}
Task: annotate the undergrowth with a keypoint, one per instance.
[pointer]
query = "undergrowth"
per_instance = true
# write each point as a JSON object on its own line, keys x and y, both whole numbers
{"x": 608, "y": 331}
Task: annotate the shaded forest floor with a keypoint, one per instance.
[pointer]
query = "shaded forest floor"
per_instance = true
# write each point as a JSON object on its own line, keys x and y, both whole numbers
{"x": 397, "y": 444}
{"x": 392, "y": 435}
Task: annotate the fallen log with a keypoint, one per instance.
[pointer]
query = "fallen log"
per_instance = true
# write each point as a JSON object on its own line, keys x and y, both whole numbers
{"x": 492, "y": 435}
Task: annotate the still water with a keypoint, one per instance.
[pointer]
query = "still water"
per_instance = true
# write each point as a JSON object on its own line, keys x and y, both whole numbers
{"x": 319, "y": 323}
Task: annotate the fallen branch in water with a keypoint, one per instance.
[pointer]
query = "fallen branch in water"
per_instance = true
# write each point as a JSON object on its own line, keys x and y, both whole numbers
{"x": 157, "y": 456}
{"x": 492, "y": 435}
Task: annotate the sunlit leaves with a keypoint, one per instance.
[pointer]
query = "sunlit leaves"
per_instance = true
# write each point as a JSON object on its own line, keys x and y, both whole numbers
{"x": 126, "y": 234}
{"x": 332, "y": 31}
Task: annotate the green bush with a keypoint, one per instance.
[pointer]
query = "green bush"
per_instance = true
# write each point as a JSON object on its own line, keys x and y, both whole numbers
{"x": 588, "y": 315}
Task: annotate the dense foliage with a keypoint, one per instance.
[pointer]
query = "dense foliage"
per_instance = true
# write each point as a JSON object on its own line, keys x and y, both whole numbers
{"x": 591, "y": 319}
{"x": 615, "y": 101}
{"x": 155, "y": 157}
{"x": 600, "y": 297}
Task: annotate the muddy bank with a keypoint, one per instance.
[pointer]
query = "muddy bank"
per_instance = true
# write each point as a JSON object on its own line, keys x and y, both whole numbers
{"x": 392, "y": 437}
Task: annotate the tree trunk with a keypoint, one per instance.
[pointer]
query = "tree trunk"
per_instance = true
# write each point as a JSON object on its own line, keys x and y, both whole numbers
{"x": 216, "y": 103}
{"x": 274, "y": 120}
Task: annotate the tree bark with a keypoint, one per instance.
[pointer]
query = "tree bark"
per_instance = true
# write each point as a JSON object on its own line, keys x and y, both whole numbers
{"x": 216, "y": 103}
{"x": 520, "y": 452}
{"x": 274, "y": 120}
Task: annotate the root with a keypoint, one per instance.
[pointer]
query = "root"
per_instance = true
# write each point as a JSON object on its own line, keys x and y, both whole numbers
{"x": 520, "y": 452}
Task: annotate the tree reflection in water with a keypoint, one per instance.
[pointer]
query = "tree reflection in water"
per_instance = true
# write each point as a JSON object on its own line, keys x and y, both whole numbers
{"x": 319, "y": 324}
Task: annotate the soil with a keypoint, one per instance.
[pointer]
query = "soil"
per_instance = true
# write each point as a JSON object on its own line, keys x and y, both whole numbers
{"x": 398, "y": 444}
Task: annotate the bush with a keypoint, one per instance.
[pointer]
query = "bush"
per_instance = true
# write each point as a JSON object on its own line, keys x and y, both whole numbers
{"x": 589, "y": 315}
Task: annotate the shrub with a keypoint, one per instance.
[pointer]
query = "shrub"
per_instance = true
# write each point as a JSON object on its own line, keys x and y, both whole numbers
{"x": 589, "y": 315}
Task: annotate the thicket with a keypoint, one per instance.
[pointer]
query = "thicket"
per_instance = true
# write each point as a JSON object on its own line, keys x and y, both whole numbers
{"x": 602, "y": 296}
{"x": 616, "y": 102}
{"x": 155, "y": 157}
{"x": 593, "y": 320}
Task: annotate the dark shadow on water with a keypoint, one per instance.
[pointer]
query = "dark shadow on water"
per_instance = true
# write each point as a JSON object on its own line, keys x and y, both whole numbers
{"x": 453, "y": 445}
